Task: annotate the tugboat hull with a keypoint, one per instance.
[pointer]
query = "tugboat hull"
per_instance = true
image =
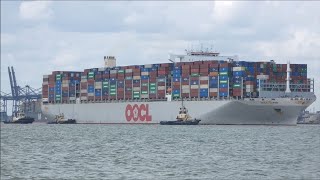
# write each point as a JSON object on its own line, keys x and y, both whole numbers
{"x": 21, "y": 121}
{"x": 193, "y": 122}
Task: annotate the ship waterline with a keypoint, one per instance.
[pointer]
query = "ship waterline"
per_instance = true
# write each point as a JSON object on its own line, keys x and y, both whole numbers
{"x": 254, "y": 111}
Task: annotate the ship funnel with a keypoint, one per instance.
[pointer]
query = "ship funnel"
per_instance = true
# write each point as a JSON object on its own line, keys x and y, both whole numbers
{"x": 288, "y": 78}
{"x": 110, "y": 61}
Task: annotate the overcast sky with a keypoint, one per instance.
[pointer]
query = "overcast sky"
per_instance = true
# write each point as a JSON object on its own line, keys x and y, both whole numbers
{"x": 40, "y": 37}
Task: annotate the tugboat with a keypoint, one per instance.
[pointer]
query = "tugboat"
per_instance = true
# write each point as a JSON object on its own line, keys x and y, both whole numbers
{"x": 60, "y": 119}
{"x": 183, "y": 118}
{"x": 20, "y": 118}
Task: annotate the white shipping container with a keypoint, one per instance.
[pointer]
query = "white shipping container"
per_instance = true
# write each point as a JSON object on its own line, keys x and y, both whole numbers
{"x": 204, "y": 78}
{"x": 65, "y": 81}
{"x": 101, "y": 69}
{"x": 185, "y": 87}
{"x": 238, "y": 68}
{"x": 113, "y": 71}
{"x": 128, "y": 70}
{"x": 194, "y": 86}
{"x": 263, "y": 77}
{"x": 45, "y": 99}
{"x": 204, "y": 86}
{"x": 98, "y": 83}
{"x": 185, "y": 90}
{"x": 249, "y": 86}
{"x": 144, "y": 73}
{"x": 98, "y": 86}
{"x": 83, "y": 77}
{"x": 45, "y": 83}
{"x": 45, "y": 76}
{"x": 249, "y": 90}
{"x": 136, "y": 88}
{"x": 83, "y": 98}
{"x": 148, "y": 66}
{"x": 72, "y": 98}
{"x": 213, "y": 90}
{"x": 65, "y": 85}
{"x": 161, "y": 87}
{"x": 144, "y": 96}
{"x": 90, "y": 94}
{"x": 84, "y": 80}
{"x": 83, "y": 91}
{"x": 136, "y": 77}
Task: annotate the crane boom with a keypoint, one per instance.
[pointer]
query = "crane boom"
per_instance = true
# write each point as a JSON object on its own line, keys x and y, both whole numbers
{"x": 16, "y": 88}
{"x": 11, "y": 83}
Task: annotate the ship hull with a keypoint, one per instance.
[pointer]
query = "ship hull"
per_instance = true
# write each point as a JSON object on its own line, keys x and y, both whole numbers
{"x": 280, "y": 111}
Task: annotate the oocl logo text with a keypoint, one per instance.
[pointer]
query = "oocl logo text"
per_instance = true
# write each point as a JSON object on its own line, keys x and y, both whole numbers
{"x": 138, "y": 112}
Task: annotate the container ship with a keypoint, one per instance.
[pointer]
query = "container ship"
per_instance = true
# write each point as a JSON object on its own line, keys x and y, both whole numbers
{"x": 216, "y": 89}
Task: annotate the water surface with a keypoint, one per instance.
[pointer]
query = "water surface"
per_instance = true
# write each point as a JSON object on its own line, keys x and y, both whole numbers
{"x": 41, "y": 151}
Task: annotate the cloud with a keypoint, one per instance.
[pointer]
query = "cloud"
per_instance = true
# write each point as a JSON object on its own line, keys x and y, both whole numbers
{"x": 35, "y": 10}
{"x": 7, "y": 39}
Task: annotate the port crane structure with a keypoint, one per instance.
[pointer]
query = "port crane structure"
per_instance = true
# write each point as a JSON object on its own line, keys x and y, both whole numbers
{"x": 19, "y": 96}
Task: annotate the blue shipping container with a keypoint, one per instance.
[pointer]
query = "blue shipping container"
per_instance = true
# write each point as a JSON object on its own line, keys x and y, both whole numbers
{"x": 223, "y": 94}
{"x": 176, "y": 79}
{"x": 213, "y": 69}
{"x": 213, "y": 86}
{"x": 176, "y": 75}
{"x": 213, "y": 77}
{"x": 144, "y": 77}
{"x": 238, "y": 73}
{"x": 176, "y": 91}
{"x": 224, "y": 69}
{"x": 223, "y": 77}
{"x": 176, "y": 71}
{"x": 223, "y": 85}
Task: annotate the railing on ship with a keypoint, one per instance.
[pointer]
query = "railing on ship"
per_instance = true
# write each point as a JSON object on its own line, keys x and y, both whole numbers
{"x": 296, "y": 87}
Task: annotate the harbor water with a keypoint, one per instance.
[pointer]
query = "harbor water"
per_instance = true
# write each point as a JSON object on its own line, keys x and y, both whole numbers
{"x": 41, "y": 151}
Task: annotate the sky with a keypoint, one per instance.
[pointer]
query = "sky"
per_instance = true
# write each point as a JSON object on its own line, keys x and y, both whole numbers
{"x": 38, "y": 37}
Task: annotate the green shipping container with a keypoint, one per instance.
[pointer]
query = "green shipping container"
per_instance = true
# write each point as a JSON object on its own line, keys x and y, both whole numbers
{"x": 113, "y": 86}
{"x": 223, "y": 73}
{"x": 136, "y": 96}
{"x": 237, "y": 86}
{"x": 144, "y": 92}
{"x": 58, "y": 95}
{"x": 144, "y": 84}
{"x": 223, "y": 82}
{"x": 136, "y": 92}
{"x": 195, "y": 74}
{"x": 121, "y": 71}
{"x": 112, "y": 90}
{"x": 153, "y": 92}
{"x": 152, "y": 88}
{"x": 152, "y": 84}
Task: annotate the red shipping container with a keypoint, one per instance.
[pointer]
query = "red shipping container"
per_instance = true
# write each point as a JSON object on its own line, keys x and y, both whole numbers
{"x": 223, "y": 89}
{"x": 185, "y": 95}
{"x": 213, "y": 94}
{"x": 204, "y": 82}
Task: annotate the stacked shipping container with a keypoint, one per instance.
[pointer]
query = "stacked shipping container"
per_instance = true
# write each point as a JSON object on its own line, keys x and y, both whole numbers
{"x": 199, "y": 79}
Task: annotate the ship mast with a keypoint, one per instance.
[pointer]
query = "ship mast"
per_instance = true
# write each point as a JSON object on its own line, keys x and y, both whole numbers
{"x": 288, "y": 78}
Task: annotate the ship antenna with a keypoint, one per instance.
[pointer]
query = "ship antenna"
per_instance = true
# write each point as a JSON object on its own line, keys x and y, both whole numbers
{"x": 288, "y": 78}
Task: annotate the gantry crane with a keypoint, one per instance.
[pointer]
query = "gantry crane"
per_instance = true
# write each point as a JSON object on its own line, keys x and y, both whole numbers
{"x": 19, "y": 96}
